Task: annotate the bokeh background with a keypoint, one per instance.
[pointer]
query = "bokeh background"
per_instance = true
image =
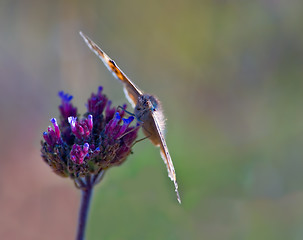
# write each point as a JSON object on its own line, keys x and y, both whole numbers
{"x": 229, "y": 75}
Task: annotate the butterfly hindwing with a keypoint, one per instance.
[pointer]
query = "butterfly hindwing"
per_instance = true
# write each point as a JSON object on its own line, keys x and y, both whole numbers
{"x": 165, "y": 153}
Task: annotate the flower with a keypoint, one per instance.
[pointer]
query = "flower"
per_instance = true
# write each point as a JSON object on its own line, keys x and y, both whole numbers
{"x": 79, "y": 148}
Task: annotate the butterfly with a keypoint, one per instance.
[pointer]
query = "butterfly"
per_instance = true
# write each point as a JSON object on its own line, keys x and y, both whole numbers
{"x": 147, "y": 109}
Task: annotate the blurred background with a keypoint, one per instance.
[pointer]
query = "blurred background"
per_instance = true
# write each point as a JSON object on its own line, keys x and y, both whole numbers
{"x": 229, "y": 75}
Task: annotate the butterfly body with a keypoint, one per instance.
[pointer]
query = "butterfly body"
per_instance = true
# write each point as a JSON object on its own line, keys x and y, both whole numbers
{"x": 146, "y": 106}
{"x": 147, "y": 109}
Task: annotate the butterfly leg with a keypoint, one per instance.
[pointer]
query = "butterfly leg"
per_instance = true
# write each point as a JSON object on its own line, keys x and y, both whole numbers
{"x": 128, "y": 132}
{"x": 136, "y": 140}
{"x": 142, "y": 138}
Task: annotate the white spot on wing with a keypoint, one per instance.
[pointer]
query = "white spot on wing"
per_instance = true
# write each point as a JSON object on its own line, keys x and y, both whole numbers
{"x": 128, "y": 97}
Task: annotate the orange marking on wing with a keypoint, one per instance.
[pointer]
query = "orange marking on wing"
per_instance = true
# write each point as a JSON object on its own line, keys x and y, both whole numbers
{"x": 116, "y": 70}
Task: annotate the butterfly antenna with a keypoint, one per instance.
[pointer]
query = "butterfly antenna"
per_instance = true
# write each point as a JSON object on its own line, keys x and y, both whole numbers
{"x": 129, "y": 113}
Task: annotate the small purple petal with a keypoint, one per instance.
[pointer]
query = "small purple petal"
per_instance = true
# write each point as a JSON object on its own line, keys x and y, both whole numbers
{"x": 78, "y": 153}
{"x": 109, "y": 103}
{"x": 116, "y": 120}
{"x": 90, "y": 122}
{"x": 65, "y": 97}
{"x": 109, "y": 112}
{"x": 56, "y": 127}
{"x": 97, "y": 103}
{"x": 126, "y": 122}
{"x": 100, "y": 88}
{"x": 46, "y": 138}
{"x": 80, "y": 129}
{"x": 72, "y": 122}
{"x": 66, "y": 108}
{"x": 130, "y": 119}
{"x": 52, "y": 137}
{"x": 86, "y": 146}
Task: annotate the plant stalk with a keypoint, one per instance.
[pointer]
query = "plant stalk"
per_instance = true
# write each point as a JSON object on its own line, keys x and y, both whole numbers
{"x": 84, "y": 209}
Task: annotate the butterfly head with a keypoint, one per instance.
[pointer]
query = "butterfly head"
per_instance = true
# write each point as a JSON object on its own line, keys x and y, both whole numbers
{"x": 145, "y": 105}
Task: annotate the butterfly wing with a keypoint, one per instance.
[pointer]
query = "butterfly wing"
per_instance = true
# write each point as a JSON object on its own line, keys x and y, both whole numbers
{"x": 157, "y": 122}
{"x": 131, "y": 91}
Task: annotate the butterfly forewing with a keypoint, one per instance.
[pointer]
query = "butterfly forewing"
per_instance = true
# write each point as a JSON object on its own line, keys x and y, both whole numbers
{"x": 131, "y": 91}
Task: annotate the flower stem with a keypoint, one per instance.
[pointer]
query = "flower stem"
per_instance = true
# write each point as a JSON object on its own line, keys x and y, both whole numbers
{"x": 84, "y": 209}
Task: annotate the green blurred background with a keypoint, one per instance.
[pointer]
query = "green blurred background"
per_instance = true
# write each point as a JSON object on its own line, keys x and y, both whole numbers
{"x": 229, "y": 75}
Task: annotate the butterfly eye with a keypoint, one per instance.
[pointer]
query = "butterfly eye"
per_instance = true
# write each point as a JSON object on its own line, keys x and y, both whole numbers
{"x": 138, "y": 108}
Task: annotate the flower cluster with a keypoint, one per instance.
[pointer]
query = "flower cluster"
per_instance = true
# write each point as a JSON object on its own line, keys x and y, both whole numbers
{"x": 78, "y": 148}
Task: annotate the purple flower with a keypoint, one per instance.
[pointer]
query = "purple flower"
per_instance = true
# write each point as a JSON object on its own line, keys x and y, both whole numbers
{"x": 66, "y": 108}
{"x": 78, "y": 153}
{"x": 83, "y": 147}
{"x": 83, "y": 128}
{"x": 52, "y": 137}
